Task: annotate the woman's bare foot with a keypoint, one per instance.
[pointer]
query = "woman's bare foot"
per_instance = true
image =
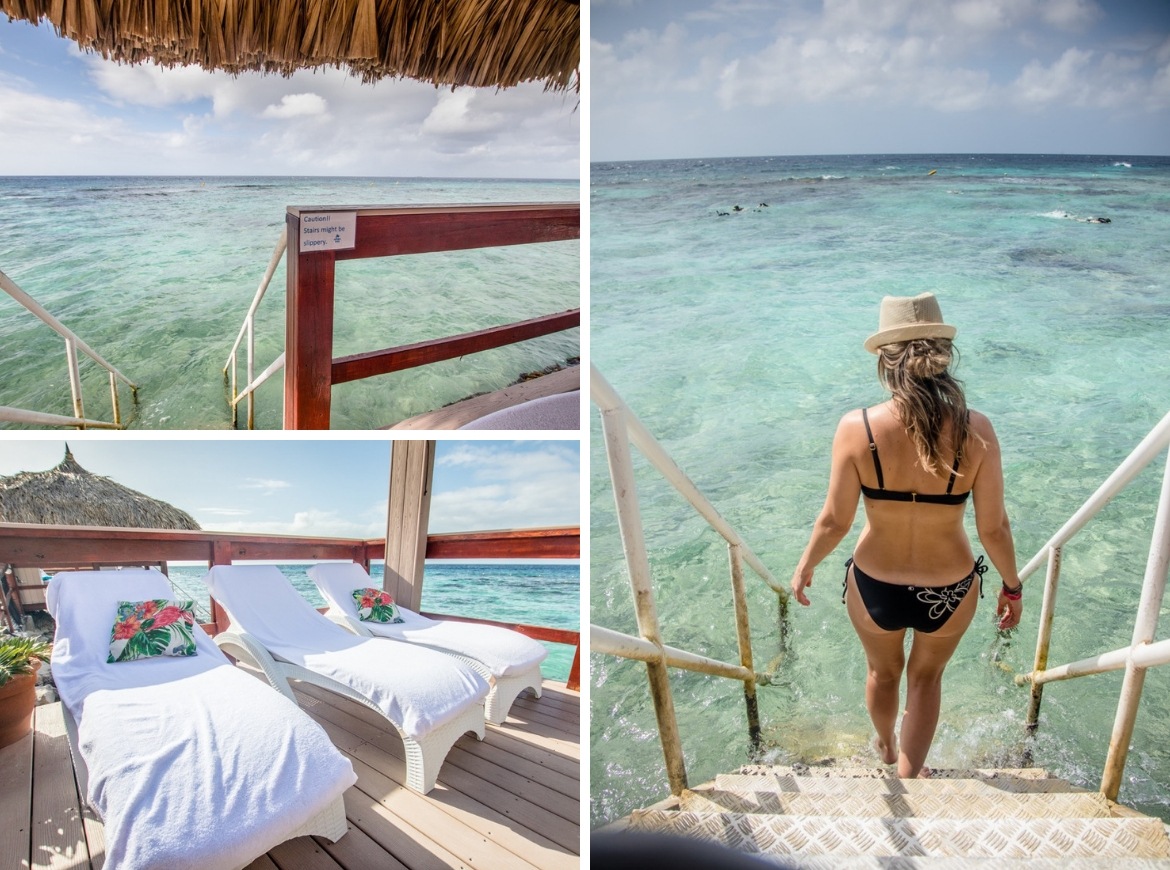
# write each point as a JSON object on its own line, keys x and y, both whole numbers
{"x": 887, "y": 753}
{"x": 925, "y": 773}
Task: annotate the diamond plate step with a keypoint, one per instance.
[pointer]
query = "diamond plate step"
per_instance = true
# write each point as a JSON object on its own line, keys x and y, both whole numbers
{"x": 837, "y": 862}
{"x": 834, "y": 772}
{"x": 900, "y": 837}
{"x": 963, "y": 805}
{"x": 887, "y": 784}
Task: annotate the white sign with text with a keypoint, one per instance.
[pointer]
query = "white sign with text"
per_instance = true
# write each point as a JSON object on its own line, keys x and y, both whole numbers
{"x": 328, "y": 230}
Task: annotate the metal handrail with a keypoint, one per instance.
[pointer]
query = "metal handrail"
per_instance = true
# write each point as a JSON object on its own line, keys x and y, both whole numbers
{"x": 248, "y": 330}
{"x": 72, "y": 345}
{"x": 36, "y": 418}
{"x": 1143, "y": 652}
{"x": 621, "y": 428}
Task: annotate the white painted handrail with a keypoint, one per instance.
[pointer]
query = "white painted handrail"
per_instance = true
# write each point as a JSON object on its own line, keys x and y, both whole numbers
{"x": 73, "y": 344}
{"x": 36, "y": 418}
{"x": 621, "y": 428}
{"x": 1143, "y": 652}
{"x": 248, "y": 330}
{"x": 606, "y": 398}
{"x": 615, "y": 643}
{"x": 1141, "y": 456}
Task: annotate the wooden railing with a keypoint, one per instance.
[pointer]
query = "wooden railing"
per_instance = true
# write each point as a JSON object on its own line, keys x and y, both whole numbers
{"x": 59, "y": 547}
{"x": 73, "y": 344}
{"x": 310, "y": 370}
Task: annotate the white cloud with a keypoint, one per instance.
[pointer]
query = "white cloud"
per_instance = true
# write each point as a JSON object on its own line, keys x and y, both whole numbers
{"x": 264, "y": 484}
{"x": 297, "y": 106}
{"x": 146, "y": 119}
{"x": 312, "y": 523}
{"x": 961, "y": 55}
{"x": 509, "y": 489}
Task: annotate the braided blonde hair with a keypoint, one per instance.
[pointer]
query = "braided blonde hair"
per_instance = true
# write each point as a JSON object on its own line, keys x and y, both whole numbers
{"x": 926, "y": 397}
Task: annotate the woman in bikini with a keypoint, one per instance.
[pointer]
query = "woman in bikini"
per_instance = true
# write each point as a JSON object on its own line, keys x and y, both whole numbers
{"x": 916, "y": 459}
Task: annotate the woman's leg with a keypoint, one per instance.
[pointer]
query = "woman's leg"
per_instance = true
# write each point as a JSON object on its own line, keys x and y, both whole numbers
{"x": 885, "y": 657}
{"x": 929, "y": 654}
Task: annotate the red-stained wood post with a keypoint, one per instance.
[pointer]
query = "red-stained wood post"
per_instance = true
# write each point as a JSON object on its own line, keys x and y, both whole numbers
{"x": 309, "y": 370}
{"x": 308, "y": 336}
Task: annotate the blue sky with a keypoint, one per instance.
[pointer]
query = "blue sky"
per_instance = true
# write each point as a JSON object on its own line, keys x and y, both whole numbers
{"x": 710, "y": 78}
{"x": 64, "y": 112}
{"x": 335, "y": 487}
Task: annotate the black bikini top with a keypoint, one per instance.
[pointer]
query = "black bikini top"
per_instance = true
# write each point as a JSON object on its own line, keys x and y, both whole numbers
{"x": 881, "y": 493}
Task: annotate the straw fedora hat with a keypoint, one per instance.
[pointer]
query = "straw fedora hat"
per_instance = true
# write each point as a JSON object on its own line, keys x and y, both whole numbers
{"x": 904, "y": 318}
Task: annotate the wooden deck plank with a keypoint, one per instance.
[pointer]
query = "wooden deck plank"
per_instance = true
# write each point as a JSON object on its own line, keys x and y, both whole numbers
{"x": 484, "y": 808}
{"x": 516, "y": 744}
{"x": 16, "y": 772}
{"x": 531, "y": 770}
{"x": 408, "y": 846}
{"x": 430, "y": 821}
{"x": 262, "y": 863}
{"x": 381, "y": 756}
{"x": 95, "y": 835}
{"x": 565, "y": 806}
{"x": 357, "y": 850}
{"x": 549, "y": 705}
{"x": 58, "y": 835}
{"x": 302, "y": 853}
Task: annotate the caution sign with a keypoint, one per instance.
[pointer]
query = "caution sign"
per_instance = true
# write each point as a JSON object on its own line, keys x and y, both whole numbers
{"x": 328, "y": 231}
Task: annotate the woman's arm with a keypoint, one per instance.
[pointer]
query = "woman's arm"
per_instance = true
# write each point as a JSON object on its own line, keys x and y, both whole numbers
{"x": 836, "y": 517}
{"x": 991, "y": 522}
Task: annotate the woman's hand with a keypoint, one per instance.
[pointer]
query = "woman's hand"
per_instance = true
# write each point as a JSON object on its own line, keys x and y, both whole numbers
{"x": 801, "y": 579}
{"x": 1008, "y": 611}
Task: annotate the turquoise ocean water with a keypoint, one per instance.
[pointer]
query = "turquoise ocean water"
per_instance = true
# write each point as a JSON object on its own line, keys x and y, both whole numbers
{"x": 156, "y": 274}
{"x": 544, "y": 595}
{"x": 737, "y": 340}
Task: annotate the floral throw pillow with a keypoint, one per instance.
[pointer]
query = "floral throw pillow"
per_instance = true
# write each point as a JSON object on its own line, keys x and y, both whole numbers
{"x": 144, "y": 629}
{"x": 375, "y": 605}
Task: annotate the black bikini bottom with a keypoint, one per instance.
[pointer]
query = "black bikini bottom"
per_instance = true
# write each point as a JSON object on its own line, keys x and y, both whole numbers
{"x": 923, "y": 608}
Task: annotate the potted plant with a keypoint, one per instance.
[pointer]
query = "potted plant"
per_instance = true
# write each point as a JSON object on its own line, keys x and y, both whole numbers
{"x": 20, "y": 658}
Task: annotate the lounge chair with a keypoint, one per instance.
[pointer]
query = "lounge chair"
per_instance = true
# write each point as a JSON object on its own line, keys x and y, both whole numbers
{"x": 508, "y": 660}
{"x": 189, "y": 761}
{"x": 430, "y": 699}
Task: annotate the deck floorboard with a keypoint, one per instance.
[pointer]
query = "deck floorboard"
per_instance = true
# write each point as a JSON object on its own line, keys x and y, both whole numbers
{"x": 511, "y": 800}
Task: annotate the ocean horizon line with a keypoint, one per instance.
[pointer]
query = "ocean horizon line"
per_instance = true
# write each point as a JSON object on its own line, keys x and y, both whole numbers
{"x": 1000, "y": 154}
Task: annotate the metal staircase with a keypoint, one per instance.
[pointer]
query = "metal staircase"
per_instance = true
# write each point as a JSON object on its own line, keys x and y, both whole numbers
{"x": 852, "y": 817}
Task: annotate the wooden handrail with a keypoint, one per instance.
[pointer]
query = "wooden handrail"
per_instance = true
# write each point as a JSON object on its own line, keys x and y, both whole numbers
{"x": 38, "y": 545}
{"x": 408, "y": 356}
{"x": 311, "y": 370}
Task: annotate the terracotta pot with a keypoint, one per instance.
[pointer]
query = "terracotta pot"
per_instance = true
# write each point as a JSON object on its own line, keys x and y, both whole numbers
{"x": 17, "y": 698}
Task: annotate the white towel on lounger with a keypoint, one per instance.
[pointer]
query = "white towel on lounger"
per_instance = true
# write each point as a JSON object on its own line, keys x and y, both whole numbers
{"x": 503, "y": 651}
{"x": 192, "y": 763}
{"x": 417, "y": 688}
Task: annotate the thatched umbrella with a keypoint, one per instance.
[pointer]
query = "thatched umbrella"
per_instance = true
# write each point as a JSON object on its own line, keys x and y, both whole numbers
{"x": 482, "y": 43}
{"x": 71, "y": 496}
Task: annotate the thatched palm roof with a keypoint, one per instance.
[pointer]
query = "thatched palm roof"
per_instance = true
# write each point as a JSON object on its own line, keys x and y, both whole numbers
{"x": 71, "y": 496}
{"x": 493, "y": 43}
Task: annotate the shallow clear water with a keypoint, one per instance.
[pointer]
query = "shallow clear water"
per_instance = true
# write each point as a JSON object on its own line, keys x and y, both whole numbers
{"x": 737, "y": 340}
{"x": 156, "y": 274}
{"x": 544, "y": 595}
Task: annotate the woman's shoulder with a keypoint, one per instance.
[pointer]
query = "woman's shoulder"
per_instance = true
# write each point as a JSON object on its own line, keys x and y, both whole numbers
{"x": 980, "y": 426}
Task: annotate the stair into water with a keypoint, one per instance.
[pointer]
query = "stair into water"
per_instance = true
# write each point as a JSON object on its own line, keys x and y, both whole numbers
{"x": 865, "y": 817}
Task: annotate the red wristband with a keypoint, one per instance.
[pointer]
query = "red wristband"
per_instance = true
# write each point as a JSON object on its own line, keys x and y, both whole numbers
{"x": 1013, "y": 594}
